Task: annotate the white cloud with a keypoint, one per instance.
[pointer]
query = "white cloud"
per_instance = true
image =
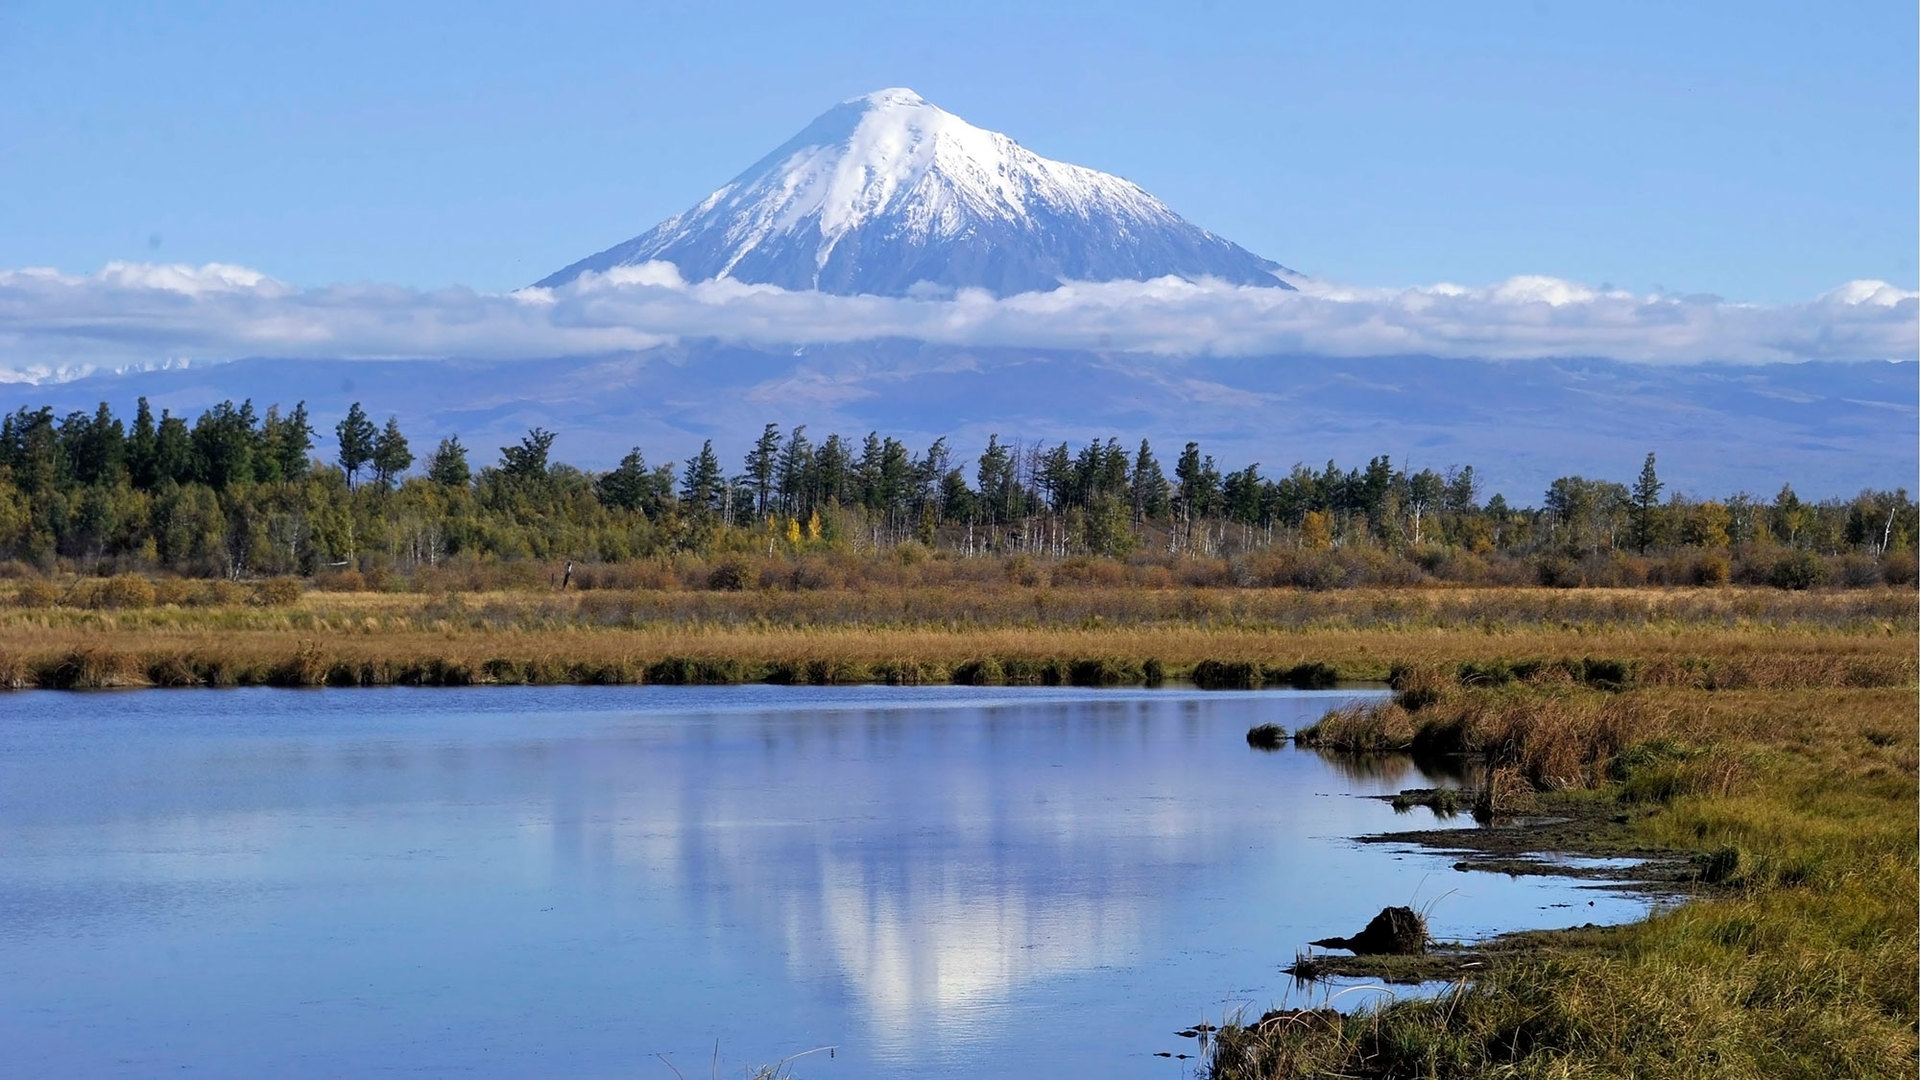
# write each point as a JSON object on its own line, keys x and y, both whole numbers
{"x": 55, "y": 325}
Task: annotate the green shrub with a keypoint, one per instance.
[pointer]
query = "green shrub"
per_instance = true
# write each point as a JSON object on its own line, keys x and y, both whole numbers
{"x": 1799, "y": 570}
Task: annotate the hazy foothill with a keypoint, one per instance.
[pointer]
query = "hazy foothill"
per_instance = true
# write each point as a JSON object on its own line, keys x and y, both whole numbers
{"x": 986, "y": 732}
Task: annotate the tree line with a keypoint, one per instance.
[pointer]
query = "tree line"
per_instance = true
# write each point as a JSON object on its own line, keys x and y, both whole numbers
{"x": 240, "y": 492}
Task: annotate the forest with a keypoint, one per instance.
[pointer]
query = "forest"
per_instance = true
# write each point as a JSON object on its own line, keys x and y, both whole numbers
{"x": 244, "y": 494}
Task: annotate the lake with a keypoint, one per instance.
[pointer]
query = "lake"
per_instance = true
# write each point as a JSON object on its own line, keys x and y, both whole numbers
{"x": 600, "y": 882}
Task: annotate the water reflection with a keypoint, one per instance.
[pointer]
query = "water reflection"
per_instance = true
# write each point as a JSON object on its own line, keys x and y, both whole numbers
{"x": 932, "y": 880}
{"x": 1399, "y": 770}
{"x": 936, "y": 863}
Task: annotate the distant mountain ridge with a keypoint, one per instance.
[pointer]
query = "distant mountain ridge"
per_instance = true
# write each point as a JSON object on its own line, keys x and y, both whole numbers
{"x": 1830, "y": 428}
{"x": 890, "y": 195}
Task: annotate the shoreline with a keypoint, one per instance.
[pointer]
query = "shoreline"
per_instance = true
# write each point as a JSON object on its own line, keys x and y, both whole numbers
{"x": 1522, "y": 847}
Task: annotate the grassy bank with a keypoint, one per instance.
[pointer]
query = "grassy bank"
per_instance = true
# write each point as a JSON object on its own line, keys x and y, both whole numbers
{"x": 1706, "y": 637}
{"x": 1792, "y": 807}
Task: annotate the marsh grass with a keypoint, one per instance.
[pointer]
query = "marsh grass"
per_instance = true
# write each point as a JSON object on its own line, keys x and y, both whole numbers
{"x": 1431, "y": 643}
{"x": 1796, "y": 959}
{"x": 1266, "y": 736}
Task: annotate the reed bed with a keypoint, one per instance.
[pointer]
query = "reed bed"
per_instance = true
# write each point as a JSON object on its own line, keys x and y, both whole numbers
{"x": 106, "y": 650}
{"x": 172, "y": 602}
{"x": 1711, "y": 639}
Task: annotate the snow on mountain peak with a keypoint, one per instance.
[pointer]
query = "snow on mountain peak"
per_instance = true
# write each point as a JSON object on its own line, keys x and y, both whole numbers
{"x": 892, "y": 95}
{"x": 890, "y": 194}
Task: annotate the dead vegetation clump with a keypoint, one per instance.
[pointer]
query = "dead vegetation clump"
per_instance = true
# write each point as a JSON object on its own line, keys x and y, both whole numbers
{"x": 1366, "y": 729}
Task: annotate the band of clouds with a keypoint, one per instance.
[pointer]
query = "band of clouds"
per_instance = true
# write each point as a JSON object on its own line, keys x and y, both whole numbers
{"x": 55, "y": 325}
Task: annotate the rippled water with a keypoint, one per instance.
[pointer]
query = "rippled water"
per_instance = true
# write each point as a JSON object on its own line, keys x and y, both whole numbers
{"x": 938, "y": 882}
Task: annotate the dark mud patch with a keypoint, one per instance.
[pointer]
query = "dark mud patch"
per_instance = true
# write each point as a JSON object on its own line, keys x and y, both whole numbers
{"x": 1569, "y": 836}
{"x": 1444, "y": 802}
{"x": 1573, "y": 836}
{"x": 1396, "y": 931}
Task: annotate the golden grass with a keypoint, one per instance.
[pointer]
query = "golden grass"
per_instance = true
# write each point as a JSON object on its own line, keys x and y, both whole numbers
{"x": 1736, "y": 637}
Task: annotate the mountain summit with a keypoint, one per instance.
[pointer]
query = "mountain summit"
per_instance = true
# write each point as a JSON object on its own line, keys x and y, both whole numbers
{"x": 889, "y": 195}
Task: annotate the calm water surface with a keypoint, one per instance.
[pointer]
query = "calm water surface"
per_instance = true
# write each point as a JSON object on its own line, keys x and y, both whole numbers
{"x": 940, "y": 882}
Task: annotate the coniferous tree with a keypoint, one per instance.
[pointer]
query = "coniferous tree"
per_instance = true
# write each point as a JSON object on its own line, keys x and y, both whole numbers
{"x": 1147, "y": 486}
{"x": 762, "y": 463}
{"x": 1192, "y": 490}
{"x": 703, "y": 485}
{"x": 391, "y": 455}
{"x": 929, "y": 474}
{"x": 32, "y": 447}
{"x": 210, "y": 498}
{"x": 224, "y": 444}
{"x": 791, "y": 476}
{"x": 630, "y": 486}
{"x": 95, "y": 445}
{"x": 448, "y": 466}
{"x": 143, "y": 449}
{"x": 1646, "y": 506}
{"x": 527, "y": 462}
{"x": 356, "y": 434}
{"x": 1056, "y": 477}
{"x": 866, "y": 472}
{"x": 173, "y": 450}
{"x": 293, "y": 446}
{"x": 995, "y": 476}
{"x": 833, "y": 468}
{"x": 1463, "y": 491}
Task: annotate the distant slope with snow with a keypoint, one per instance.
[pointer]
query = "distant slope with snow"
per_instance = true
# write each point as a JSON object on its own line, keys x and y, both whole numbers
{"x": 890, "y": 195}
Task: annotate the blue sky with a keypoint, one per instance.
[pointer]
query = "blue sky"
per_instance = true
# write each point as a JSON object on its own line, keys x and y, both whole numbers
{"x": 1762, "y": 152}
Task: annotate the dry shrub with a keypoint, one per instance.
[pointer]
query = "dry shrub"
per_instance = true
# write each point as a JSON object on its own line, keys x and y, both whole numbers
{"x": 1899, "y": 568}
{"x": 35, "y": 593}
{"x": 87, "y": 669}
{"x": 814, "y": 573}
{"x": 1554, "y": 742}
{"x": 127, "y": 592}
{"x": 1418, "y": 686}
{"x": 342, "y": 581}
{"x": 1506, "y": 792}
{"x": 621, "y": 576}
{"x": 1367, "y": 728}
{"x": 277, "y": 592}
{"x": 1858, "y": 571}
{"x": 1558, "y": 572}
{"x": 1712, "y": 569}
{"x": 222, "y": 593}
{"x": 1461, "y": 567}
{"x": 1204, "y": 573}
{"x": 1083, "y": 570}
{"x": 173, "y": 592}
{"x": 1024, "y": 571}
{"x": 731, "y": 573}
{"x": 15, "y": 672}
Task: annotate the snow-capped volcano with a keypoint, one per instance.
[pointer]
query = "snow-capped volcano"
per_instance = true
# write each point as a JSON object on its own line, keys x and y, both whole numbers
{"x": 890, "y": 195}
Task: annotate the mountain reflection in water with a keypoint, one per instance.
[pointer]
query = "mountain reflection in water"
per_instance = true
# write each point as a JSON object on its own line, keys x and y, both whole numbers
{"x": 571, "y": 880}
